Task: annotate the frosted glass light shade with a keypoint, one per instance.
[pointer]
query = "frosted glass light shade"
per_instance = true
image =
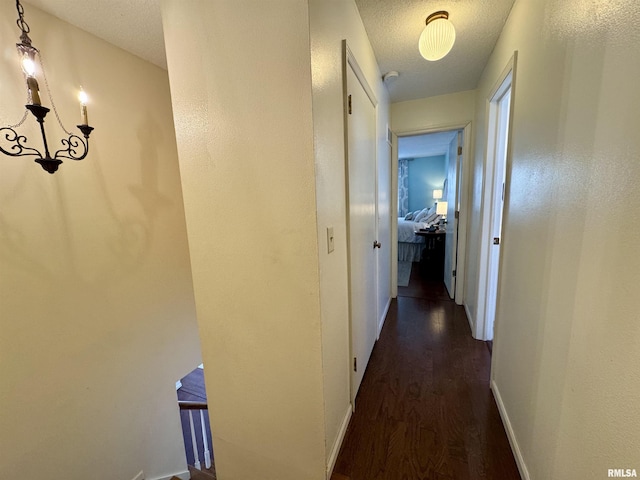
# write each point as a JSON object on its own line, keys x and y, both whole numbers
{"x": 441, "y": 208}
{"x": 438, "y": 37}
{"x": 437, "y": 194}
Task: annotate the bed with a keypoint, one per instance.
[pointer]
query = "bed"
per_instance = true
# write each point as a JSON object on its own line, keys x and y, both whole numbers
{"x": 410, "y": 245}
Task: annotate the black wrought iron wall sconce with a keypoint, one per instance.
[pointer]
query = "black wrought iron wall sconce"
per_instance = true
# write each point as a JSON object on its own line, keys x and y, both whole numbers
{"x": 73, "y": 147}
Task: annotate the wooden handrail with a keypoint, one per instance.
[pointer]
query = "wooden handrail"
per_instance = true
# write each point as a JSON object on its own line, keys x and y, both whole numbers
{"x": 189, "y": 405}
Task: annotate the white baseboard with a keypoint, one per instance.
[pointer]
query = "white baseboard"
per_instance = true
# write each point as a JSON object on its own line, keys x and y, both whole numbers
{"x": 139, "y": 476}
{"x": 383, "y": 317}
{"x": 335, "y": 449}
{"x": 182, "y": 475}
{"x": 522, "y": 467}
{"x": 470, "y": 320}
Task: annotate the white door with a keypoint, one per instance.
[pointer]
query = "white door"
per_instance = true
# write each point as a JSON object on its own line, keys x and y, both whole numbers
{"x": 361, "y": 171}
{"x": 494, "y": 192}
{"x": 453, "y": 199}
{"x": 502, "y": 108}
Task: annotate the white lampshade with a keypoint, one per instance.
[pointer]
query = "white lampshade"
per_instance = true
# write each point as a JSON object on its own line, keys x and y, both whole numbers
{"x": 437, "y": 194}
{"x": 438, "y": 37}
{"x": 441, "y": 208}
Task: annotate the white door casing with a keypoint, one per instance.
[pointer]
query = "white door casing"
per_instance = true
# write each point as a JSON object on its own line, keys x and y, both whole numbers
{"x": 394, "y": 214}
{"x": 362, "y": 235}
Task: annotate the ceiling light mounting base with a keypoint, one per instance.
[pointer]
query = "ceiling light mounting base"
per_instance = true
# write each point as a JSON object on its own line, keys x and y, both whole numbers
{"x": 436, "y": 15}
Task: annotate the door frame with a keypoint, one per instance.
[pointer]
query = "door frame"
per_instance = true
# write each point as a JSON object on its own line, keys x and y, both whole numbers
{"x": 483, "y": 322}
{"x": 465, "y": 201}
{"x": 349, "y": 61}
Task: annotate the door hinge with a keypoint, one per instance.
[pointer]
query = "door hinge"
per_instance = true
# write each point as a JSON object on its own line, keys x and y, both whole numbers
{"x": 496, "y": 240}
{"x": 350, "y": 105}
{"x": 459, "y": 150}
{"x": 355, "y": 364}
{"x": 454, "y": 273}
{"x": 456, "y": 214}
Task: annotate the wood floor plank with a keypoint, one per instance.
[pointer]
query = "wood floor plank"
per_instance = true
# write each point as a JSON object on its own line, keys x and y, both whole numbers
{"x": 424, "y": 410}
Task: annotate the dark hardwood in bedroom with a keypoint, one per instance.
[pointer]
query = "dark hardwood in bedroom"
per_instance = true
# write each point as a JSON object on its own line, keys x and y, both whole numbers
{"x": 425, "y": 410}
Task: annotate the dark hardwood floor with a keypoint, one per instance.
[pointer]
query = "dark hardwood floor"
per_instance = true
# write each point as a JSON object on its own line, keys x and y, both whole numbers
{"x": 424, "y": 409}
{"x": 193, "y": 387}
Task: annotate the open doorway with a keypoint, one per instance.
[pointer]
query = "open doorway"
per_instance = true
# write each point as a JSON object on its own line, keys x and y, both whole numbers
{"x": 429, "y": 197}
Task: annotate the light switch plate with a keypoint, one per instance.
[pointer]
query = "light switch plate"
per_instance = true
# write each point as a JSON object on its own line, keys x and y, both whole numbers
{"x": 330, "y": 240}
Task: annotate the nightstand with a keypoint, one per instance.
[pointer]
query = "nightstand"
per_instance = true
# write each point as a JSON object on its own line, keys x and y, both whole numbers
{"x": 432, "y": 258}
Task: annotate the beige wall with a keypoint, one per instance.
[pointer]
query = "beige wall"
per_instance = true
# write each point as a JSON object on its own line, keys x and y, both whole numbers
{"x": 284, "y": 161}
{"x": 454, "y": 109}
{"x": 241, "y": 86}
{"x": 331, "y": 22}
{"x": 96, "y": 304}
{"x": 567, "y": 334}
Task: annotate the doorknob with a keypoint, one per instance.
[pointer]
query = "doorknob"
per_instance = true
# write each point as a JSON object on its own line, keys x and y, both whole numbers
{"x": 376, "y": 244}
{"x": 496, "y": 240}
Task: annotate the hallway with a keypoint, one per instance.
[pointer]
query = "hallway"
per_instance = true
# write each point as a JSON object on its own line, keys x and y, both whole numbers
{"x": 425, "y": 410}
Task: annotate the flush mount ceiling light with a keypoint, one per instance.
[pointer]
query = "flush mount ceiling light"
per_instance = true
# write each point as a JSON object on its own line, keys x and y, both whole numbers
{"x": 438, "y": 37}
{"x": 73, "y": 147}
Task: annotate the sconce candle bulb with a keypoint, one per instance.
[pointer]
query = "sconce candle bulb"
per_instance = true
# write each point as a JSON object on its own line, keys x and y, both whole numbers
{"x": 84, "y": 98}
{"x": 12, "y": 143}
{"x": 28, "y": 66}
{"x": 29, "y": 69}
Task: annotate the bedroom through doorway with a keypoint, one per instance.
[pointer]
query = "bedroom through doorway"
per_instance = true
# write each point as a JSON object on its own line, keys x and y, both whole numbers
{"x": 429, "y": 167}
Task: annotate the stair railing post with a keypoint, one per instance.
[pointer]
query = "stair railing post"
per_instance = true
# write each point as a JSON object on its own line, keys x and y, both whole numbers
{"x": 205, "y": 441}
{"x": 193, "y": 441}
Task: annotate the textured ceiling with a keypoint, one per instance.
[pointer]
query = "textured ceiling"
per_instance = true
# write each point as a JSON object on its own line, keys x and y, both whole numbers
{"x": 393, "y": 27}
{"x": 133, "y": 25}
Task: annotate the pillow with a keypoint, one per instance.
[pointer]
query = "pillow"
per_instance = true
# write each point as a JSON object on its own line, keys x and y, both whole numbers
{"x": 432, "y": 218}
{"x": 423, "y": 213}
{"x": 409, "y": 216}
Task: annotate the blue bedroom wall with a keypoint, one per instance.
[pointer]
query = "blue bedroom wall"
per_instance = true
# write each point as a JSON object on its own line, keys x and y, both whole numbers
{"x": 425, "y": 175}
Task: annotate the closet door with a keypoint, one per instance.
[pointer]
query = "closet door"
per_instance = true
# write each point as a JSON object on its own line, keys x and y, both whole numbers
{"x": 361, "y": 184}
